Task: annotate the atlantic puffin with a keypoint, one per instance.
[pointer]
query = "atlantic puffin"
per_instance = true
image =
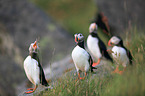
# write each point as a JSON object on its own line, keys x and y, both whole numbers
{"x": 96, "y": 46}
{"x": 120, "y": 54}
{"x": 81, "y": 58}
{"x": 33, "y": 69}
{"x": 102, "y": 21}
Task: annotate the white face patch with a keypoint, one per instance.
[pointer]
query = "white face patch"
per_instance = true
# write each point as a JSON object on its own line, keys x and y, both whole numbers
{"x": 80, "y": 36}
{"x": 115, "y": 40}
{"x": 93, "y": 27}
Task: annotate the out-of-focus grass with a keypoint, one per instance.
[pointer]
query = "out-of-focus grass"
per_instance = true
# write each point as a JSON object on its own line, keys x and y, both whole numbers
{"x": 130, "y": 83}
{"x": 75, "y": 16}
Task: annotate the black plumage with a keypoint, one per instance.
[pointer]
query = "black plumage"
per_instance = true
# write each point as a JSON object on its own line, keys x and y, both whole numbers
{"x": 43, "y": 81}
{"x": 90, "y": 60}
{"x": 102, "y": 47}
{"x": 99, "y": 20}
{"x": 127, "y": 51}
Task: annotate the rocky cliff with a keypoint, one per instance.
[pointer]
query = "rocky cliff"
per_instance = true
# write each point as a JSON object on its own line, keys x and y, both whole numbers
{"x": 123, "y": 14}
{"x": 20, "y": 24}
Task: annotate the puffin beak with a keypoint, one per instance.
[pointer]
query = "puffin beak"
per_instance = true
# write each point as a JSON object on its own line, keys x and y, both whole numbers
{"x": 35, "y": 46}
{"x": 76, "y": 38}
{"x": 109, "y": 43}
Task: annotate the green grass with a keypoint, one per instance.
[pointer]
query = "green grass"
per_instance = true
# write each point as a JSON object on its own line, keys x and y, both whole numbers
{"x": 131, "y": 83}
{"x": 75, "y": 19}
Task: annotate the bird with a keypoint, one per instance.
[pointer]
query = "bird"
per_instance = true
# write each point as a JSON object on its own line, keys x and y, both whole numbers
{"x": 102, "y": 21}
{"x": 120, "y": 53}
{"x": 81, "y": 58}
{"x": 96, "y": 46}
{"x": 33, "y": 68}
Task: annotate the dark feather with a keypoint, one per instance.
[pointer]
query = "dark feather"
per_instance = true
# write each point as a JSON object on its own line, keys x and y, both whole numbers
{"x": 129, "y": 56}
{"x": 127, "y": 51}
{"x": 91, "y": 63}
{"x": 41, "y": 75}
{"x": 102, "y": 47}
{"x": 101, "y": 23}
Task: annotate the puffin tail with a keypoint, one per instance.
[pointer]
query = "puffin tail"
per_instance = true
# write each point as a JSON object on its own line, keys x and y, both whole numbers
{"x": 92, "y": 68}
{"x": 42, "y": 78}
{"x": 45, "y": 83}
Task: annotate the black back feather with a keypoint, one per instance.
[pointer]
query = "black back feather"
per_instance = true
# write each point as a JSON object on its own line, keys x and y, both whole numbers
{"x": 127, "y": 51}
{"x": 102, "y": 47}
{"x": 43, "y": 81}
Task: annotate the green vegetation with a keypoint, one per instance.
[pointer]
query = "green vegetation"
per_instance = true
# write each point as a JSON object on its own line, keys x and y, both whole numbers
{"x": 130, "y": 83}
{"x": 75, "y": 18}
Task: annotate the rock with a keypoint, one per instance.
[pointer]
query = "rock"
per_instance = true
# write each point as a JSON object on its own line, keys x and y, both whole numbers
{"x": 52, "y": 73}
{"x": 123, "y": 14}
{"x": 23, "y": 22}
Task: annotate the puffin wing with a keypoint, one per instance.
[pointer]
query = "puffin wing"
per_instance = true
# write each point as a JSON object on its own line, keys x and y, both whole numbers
{"x": 102, "y": 46}
{"x": 101, "y": 23}
{"x": 129, "y": 56}
{"x": 103, "y": 50}
{"x": 41, "y": 75}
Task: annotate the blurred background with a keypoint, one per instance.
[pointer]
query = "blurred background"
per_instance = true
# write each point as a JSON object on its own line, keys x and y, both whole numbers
{"x": 54, "y": 22}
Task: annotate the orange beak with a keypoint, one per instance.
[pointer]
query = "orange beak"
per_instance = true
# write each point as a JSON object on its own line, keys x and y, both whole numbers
{"x": 76, "y": 39}
{"x": 35, "y": 46}
{"x": 109, "y": 43}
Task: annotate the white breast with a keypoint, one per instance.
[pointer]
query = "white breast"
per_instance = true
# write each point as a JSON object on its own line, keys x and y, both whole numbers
{"x": 93, "y": 46}
{"x": 120, "y": 55}
{"x": 32, "y": 70}
{"x": 80, "y": 58}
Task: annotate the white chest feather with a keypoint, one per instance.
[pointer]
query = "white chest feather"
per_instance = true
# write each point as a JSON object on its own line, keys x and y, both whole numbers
{"x": 80, "y": 58}
{"x": 93, "y": 46}
{"x": 31, "y": 69}
{"x": 120, "y": 55}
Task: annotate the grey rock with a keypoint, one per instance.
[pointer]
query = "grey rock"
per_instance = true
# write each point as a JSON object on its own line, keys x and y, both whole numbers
{"x": 123, "y": 14}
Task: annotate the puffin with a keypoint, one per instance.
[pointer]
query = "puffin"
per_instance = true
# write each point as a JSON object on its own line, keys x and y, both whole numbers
{"x": 102, "y": 21}
{"x": 33, "y": 68}
{"x": 81, "y": 58}
{"x": 120, "y": 53}
{"x": 96, "y": 46}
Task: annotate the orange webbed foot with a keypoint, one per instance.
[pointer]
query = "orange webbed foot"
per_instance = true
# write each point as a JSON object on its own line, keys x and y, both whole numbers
{"x": 116, "y": 70}
{"x": 120, "y": 72}
{"x": 29, "y": 92}
{"x": 98, "y": 62}
{"x": 95, "y": 64}
{"x": 82, "y": 78}
{"x": 30, "y": 89}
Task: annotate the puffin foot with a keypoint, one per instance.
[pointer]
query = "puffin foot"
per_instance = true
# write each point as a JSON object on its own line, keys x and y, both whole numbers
{"x": 116, "y": 70}
{"x": 95, "y": 64}
{"x": 120, "y": 72}
{"x": 30, "y": 92}
{"x": 82, "y": 78}
{"x": 30, "y": 89}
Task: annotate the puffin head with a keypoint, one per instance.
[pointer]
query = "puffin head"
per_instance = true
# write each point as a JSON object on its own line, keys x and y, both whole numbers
{"x": 115, "y": 40}
{"x": 78, "y": 37}
{"x": 33, "y": 47}
{"x": 93, "y": 28}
